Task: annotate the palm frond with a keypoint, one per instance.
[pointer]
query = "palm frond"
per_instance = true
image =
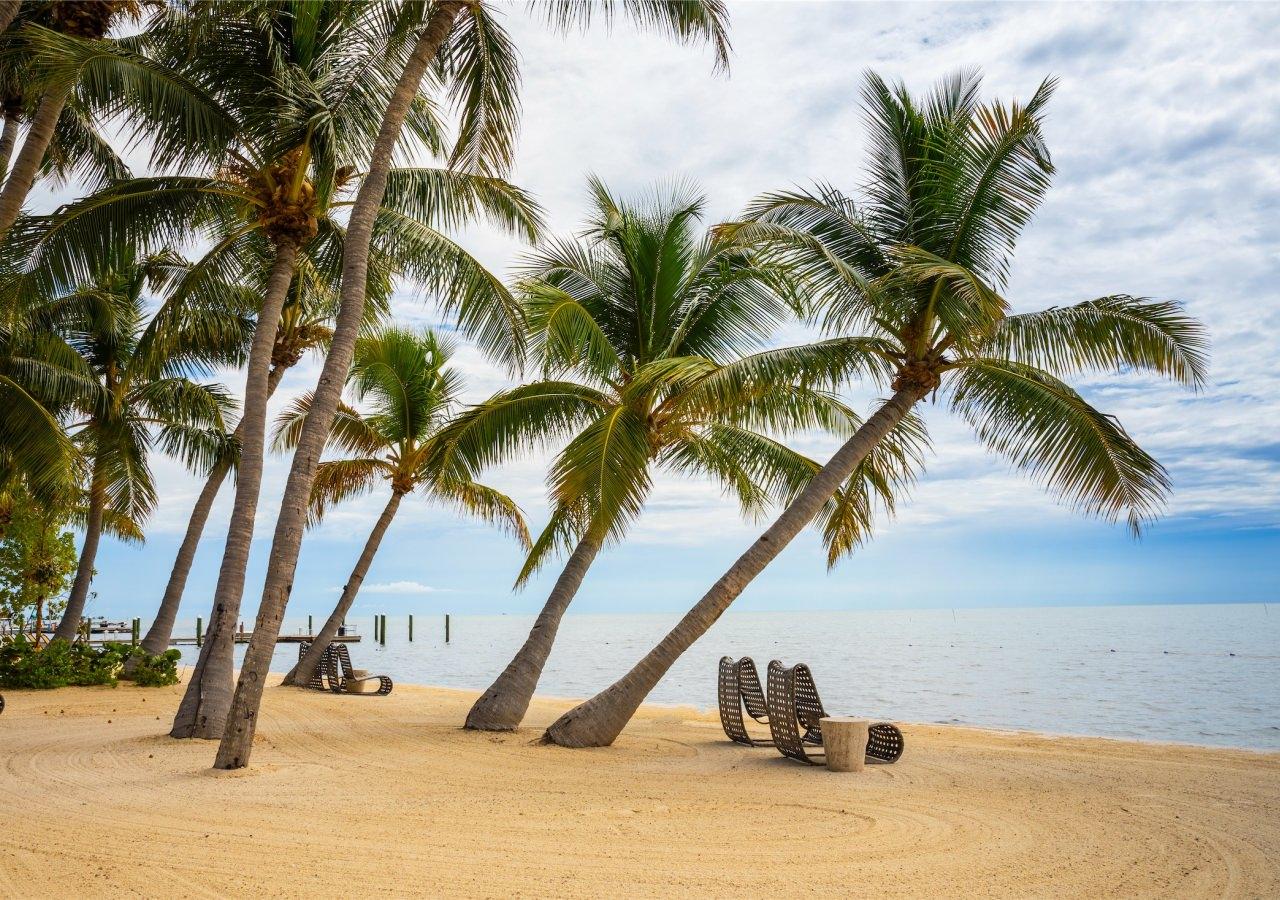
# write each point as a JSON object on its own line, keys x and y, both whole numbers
{"x": 339, "y": 480}
{"x": 1107, "y": 334}
{"x": 1045, "y": 428}
{"x": 606, "y": 467}
{"x": 486, "y": 504}
{"x": 688, "y": 21}
{"x": 481, "y": 68}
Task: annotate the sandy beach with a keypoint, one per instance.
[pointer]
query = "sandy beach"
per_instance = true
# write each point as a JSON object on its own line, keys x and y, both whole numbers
{"x": 355, "y": 796}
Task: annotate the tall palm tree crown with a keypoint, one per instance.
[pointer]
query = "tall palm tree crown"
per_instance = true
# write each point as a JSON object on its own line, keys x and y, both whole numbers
{"x": 910, "y": 277}
{"x": 403, "y": 379}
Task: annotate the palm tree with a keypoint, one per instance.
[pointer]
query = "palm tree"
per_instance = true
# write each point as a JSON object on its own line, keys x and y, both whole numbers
{"x": 645, "y": 328}
{"x": 918, "y": 265}
{"x": 404, "y": 378}
{"x": 476, "y": 61}
{"x": 146, "y": 395}
{"x": 81, "y": 22}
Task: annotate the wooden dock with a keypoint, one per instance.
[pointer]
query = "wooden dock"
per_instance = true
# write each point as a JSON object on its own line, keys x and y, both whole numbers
{"x": 243, "y": 637}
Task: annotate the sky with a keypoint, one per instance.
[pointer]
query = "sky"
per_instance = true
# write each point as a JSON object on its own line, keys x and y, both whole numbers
{"x": 1165, "y": 131}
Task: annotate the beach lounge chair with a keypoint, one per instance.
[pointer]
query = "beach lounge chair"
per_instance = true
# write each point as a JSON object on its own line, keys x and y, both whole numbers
{"x": 337, "y": 674}
{"x": 794, "y": 704}
{"x": 316, "y": 681}
{"x": 739, "y": 689}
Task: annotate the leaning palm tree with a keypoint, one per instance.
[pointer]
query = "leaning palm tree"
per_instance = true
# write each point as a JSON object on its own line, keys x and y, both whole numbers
{"x": 917, "y": 265}
{"x": 474, "y": 58}
{"x": 146, "y": 396}
{"x": 404, "y": 379}
{"x": 646, "y": 330}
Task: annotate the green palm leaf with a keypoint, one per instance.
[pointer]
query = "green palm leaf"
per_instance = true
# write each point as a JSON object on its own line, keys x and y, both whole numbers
{"x": 1047, "y": 429}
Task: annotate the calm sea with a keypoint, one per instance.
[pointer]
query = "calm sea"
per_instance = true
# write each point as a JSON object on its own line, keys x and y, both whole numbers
{"x": 1207, "y": 674}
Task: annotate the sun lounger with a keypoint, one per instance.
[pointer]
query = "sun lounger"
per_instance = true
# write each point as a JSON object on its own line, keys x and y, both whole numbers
{"x": 336, "y": 673}
{"x": 316, "y": 681}
{"x": 739, "y": 689}
{"x": 794, "y": 705}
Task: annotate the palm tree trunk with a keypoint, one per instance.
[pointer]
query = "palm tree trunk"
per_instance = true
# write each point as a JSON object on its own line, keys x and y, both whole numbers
{"x": 329, "y": 630}
{"x": 599, "y": 720}
{"x": 8, "y": 138}
{"x": 204, "y": 705}
{"x": 69, "y": 625}
{"x": 25, "y": 167}
{"x": 233, "y": 752}
{"x": 161, "y": 630}
{"x": 8, "y": 12}
{"x": 503, "y": 705}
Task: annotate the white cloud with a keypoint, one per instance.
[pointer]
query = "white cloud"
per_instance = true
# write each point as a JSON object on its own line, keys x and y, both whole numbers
{"x": 402, "y": 587}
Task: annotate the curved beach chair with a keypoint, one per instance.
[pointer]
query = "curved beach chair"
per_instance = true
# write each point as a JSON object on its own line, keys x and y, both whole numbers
{"x": 346, "y": 677}
{"x": 316, "y": 681}
{"x": 739, "y": 689}
{"x": 794, "y": 704}
{"x": 336, "y": 673}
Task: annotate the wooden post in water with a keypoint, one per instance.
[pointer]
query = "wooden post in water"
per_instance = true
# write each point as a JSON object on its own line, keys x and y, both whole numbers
{"x": 382, "y": 630}
{"x": 446, "y": 628}
{"x": 411, "y": 628}
{"x": 309, "y": 631}
{"x": 134, "y": 631}
{"x": 199, "y": 632}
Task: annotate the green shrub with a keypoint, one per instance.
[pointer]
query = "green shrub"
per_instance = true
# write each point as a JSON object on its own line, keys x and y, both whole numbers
{"x": 60, "y": 664}
{"x": 152, "y": 671}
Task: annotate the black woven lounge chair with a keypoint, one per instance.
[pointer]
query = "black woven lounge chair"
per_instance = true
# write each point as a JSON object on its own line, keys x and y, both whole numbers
{"x": 739, "y": 689}
{"x": 316, "y": 681}
{"x": 336, "y": 673}
{"x": 794, "y": 704}
{"x": 347, "y": 677}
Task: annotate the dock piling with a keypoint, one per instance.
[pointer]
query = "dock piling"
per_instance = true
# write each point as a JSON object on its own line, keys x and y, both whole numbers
{"x": 446, "y": 628}
{"x": 411, "y": 628}
{"x": 136, "y": 630}
{"x": 199, "y": 632}
{"x": 310, "y": 630}
{"x": 382, "y": 630}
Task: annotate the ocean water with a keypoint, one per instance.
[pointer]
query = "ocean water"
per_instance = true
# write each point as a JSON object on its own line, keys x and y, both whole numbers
{"x": 1201, "y": 674}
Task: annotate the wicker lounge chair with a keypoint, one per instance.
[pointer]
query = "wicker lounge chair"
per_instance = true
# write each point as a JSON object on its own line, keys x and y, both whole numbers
{"x": 794, "y": 704}
{"x": 316, "y": 681}
{"x": 336, "y": 673}
{"x": 739, "y": 689}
